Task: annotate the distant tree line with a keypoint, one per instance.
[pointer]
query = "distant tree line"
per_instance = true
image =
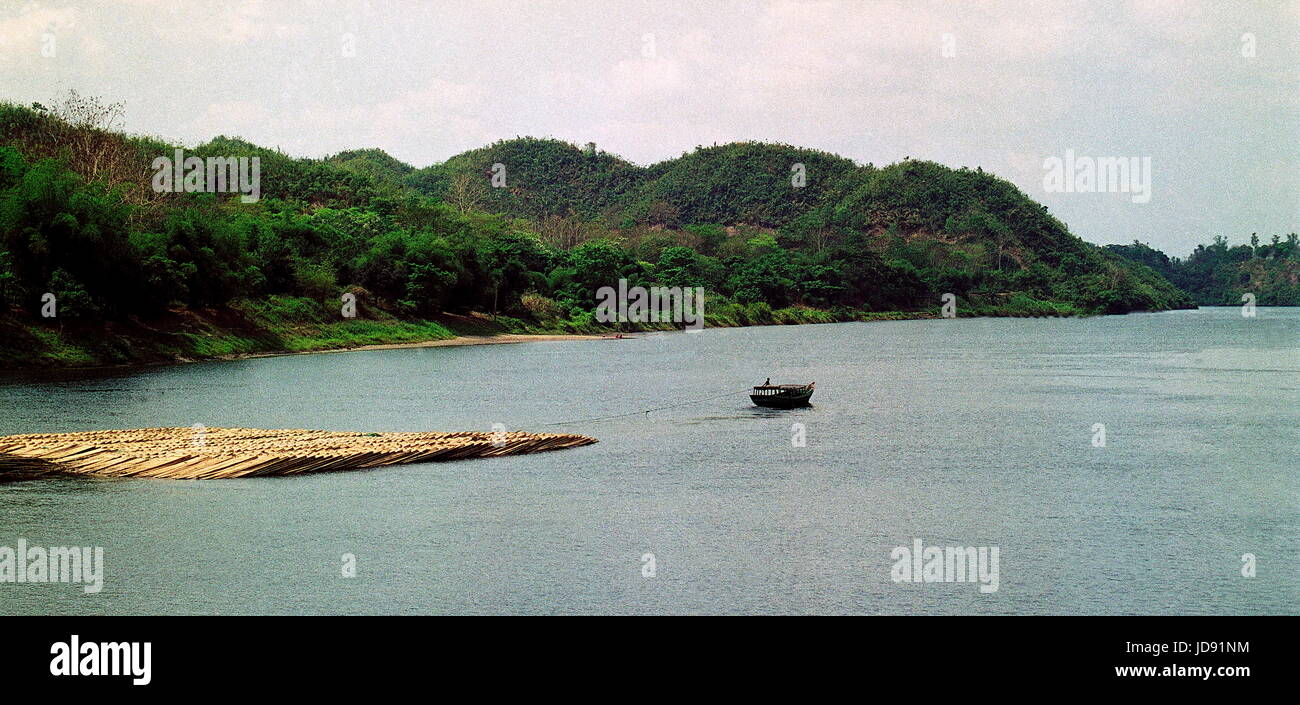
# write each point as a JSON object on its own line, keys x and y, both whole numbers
{"x": 1219, "y": 274}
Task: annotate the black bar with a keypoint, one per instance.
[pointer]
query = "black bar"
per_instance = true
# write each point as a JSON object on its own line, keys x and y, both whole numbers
{"x": 950, "y": 657}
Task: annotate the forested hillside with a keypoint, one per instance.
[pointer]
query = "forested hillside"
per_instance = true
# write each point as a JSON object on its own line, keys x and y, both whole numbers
{"x": 515, "y": 236}
{"x": 1219, "y": 275}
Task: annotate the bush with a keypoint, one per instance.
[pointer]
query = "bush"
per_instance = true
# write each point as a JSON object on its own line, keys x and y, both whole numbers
{"x": 540, "y": 307}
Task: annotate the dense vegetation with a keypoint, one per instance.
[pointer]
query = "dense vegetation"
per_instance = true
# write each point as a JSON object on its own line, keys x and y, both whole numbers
{"x": 1219, "y": 275}
{"x": 431, "y": 252}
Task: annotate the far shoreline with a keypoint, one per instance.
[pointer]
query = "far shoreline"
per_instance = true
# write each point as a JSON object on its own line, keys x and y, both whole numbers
{"x": 458, "y": 341}
{"x": 502, "y": 339}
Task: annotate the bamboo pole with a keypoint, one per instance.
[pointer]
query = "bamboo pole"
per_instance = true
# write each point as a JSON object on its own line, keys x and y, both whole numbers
{"x": 219, "y": 453}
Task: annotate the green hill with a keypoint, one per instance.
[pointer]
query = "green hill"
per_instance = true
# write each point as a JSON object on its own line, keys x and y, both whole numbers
{"x": 517, "y": 235}
{"x": 751, "y": 183}
{"x": 375, "y": 163}
{"x": 541, "y": 177}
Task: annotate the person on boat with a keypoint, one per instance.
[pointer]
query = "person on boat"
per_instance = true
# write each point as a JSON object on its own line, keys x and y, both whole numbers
{"x": 767, "y": 381}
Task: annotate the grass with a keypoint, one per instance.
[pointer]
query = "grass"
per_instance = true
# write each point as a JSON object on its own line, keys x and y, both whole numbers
{"x": 59, "y": 351}
{"x": 355, "y": 333}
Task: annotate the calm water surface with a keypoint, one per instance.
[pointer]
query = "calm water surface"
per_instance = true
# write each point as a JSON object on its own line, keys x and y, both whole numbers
{"x": 972, "y": 432}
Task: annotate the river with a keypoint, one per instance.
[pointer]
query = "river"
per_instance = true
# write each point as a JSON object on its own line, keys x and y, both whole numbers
{"x": 967, "y": 432}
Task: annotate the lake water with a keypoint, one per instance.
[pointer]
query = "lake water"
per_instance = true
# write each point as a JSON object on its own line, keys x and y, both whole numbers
{"x": 968, "y": 432}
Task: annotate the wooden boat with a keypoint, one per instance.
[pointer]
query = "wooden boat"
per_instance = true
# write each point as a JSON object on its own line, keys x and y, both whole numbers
{"x": 782, "y": 396}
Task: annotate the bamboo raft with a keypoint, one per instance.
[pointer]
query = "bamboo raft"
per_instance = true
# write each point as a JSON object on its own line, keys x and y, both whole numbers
{"x": 218, "y": 453}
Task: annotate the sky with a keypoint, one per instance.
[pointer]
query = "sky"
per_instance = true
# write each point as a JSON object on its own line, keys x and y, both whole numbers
{"x": 1206, "y": 93}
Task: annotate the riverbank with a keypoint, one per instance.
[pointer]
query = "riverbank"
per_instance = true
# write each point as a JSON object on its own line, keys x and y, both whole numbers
{"x": 291, "y": 325}
{"x": 499, "y": 339}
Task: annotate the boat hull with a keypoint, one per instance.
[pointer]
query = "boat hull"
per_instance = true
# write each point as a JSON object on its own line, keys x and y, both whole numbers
{"x": 781, "y": 401}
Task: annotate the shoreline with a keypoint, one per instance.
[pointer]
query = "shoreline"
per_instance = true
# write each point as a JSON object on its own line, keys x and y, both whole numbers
{"x": 494, "y": 339}
{"x": 458, "y": 341}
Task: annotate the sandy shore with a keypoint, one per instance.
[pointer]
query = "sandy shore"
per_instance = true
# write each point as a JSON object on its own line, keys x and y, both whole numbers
{"x": 503, "y": 339}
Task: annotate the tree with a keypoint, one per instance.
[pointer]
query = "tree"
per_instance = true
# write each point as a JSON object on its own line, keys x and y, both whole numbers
{"x": 466, "y": 192}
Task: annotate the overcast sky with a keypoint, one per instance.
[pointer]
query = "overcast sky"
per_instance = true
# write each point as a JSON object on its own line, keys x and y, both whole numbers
{"x": 1209, "y": 91}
